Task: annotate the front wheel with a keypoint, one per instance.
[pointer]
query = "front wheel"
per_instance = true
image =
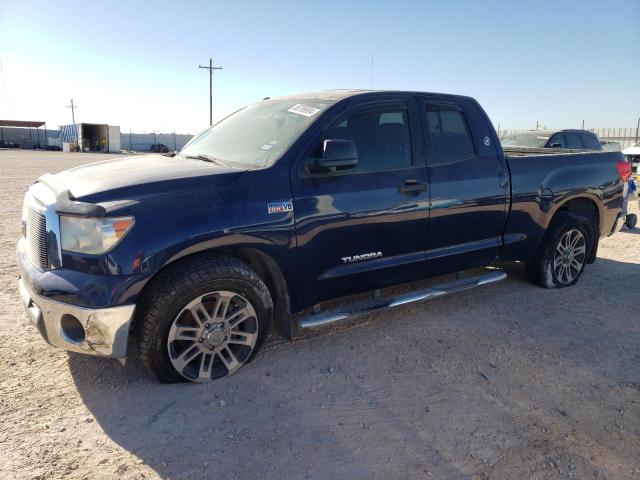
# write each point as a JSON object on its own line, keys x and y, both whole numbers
{"x": 563, "y": 253}
{"x": 203, "y": 320}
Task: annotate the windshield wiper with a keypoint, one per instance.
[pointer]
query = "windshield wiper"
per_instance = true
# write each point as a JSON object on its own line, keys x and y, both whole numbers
{"x": 205, "y": 158}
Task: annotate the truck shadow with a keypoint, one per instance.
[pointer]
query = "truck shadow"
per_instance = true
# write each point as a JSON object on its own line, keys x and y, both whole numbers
{"x": 323, "y": 405}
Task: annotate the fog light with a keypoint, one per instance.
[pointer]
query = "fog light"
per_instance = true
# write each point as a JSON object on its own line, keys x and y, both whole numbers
{"x": 71, "y": 329}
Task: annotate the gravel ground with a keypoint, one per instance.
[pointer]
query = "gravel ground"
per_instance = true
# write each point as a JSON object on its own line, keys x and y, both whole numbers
{"x": 502, "y": 382}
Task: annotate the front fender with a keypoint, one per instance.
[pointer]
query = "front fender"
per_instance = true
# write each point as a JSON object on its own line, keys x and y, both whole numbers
{"x": 170, "y": 227}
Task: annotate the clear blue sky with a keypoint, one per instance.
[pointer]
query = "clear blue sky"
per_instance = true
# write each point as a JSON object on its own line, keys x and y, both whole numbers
{"x": 134, "y": 64}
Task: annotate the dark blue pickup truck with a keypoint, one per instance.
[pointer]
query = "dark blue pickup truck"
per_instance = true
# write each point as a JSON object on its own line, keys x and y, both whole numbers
{"x": 278, "y": 210}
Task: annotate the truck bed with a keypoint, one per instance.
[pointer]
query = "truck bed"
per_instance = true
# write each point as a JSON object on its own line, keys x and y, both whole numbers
{"x": 542, "y": 178}
{"x": 527, "y": 151}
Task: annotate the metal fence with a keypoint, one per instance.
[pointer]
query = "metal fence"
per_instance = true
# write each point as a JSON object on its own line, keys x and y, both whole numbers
{"x": 141, "y": 142}
{"x": 30, "y": 138}
{"x": 624, "y": 136}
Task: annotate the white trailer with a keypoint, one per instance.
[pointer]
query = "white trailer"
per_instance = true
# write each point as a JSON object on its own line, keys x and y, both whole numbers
{"x": 92, "y": 137}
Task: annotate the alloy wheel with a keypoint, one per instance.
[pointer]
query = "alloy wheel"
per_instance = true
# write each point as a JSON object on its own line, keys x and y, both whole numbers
{"x": 212, "y": 336}
{"x": 569, "y": 256}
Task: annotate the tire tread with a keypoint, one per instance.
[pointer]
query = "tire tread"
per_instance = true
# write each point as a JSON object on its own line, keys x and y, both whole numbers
{"x": 537, "y": 267}
{"x": 185, "y": 276}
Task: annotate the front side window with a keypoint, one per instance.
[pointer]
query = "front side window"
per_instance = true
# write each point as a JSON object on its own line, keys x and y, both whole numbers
{"x": 573, "y": 140}
{"x": 382, "y": 139}
{"x": 557, "y": 141}
{"x": 257, "y": 135}
{"x": 449, "y": 135}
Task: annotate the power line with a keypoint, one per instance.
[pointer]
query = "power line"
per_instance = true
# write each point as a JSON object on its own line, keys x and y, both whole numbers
{"x": 211, "y": 68}
{"x": 539, "y": 62}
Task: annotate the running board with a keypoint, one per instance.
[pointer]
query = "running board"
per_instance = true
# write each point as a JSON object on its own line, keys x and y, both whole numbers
{"x": 375, "y": 305}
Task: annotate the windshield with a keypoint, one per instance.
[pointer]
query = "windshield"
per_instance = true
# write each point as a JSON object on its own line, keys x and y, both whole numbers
{"x": 257, "y": 135}
{"x": 527, "y": 139}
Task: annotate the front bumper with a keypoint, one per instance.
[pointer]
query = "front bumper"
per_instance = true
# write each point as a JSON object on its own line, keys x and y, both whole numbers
{"x": 102, "y": 331}
{"x": 99, "y": 331}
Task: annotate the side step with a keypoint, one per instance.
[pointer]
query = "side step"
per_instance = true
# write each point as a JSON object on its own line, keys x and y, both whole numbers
{"x": 370, "y": 306}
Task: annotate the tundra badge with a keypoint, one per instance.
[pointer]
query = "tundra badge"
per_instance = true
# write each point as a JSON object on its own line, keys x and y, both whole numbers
{"x": 359, "y": 258}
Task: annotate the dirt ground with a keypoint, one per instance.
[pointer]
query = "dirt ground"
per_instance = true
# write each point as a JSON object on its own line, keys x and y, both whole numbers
{"x": 508, "y": 381}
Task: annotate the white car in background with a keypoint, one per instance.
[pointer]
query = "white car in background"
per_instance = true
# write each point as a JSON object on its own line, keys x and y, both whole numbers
{"x": 610, "y": 146}
{"x": 632, "y": 154}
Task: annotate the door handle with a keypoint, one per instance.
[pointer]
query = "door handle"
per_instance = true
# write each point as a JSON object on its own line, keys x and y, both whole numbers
{"x": 412, "y": 186}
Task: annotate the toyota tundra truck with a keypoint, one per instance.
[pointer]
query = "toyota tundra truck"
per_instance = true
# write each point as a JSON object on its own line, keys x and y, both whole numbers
{"x": 298, "y": 212}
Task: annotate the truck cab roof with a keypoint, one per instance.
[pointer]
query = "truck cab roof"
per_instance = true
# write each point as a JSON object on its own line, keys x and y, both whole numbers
{"x": 341, "y": 94}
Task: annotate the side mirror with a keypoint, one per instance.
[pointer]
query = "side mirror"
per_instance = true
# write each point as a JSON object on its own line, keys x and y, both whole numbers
{"x": 336, "y": 155}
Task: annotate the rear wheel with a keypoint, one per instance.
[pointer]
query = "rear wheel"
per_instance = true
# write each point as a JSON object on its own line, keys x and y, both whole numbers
{"x": 563, "y": 253}
{"x": 203, "y": 320}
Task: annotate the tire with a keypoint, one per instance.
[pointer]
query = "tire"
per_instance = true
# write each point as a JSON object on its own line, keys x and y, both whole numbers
{"x": 203, "y": 319}
{"x": 548, "y": 268}
{"x": 631, "y": 220}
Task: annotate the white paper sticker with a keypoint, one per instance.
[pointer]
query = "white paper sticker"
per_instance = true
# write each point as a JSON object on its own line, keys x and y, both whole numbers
{"x": 266, "y": 147}
{"x": 305, "y": 110}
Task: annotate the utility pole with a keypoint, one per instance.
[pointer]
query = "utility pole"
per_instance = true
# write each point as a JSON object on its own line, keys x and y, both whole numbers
{"x": 637, "y": 129}
{"x": 73, "y": 111}
{"x": 73, "y": 118}
{"x": 371, "y": 73}
{"x": 211, "y": 68}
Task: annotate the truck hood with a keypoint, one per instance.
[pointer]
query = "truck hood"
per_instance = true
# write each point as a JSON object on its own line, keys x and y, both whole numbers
{"x": 136, "y": 177}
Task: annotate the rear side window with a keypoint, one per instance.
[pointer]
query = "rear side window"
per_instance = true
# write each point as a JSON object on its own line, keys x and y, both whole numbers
{"x": 449, "y": 135}
{"x": 382, "y": 139}
{"x": 590, "y": 141}
{"x": 573, "y": 140}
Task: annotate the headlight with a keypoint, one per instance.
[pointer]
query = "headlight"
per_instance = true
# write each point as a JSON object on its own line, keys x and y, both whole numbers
{"x": 92, "y": 235}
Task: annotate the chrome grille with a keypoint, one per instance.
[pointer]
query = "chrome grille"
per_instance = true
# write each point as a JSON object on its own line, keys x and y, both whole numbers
{"x": 36, "y": 234}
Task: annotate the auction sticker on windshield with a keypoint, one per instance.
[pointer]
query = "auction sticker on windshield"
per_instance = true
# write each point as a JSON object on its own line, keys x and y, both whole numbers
{"x": 305, "y": 110}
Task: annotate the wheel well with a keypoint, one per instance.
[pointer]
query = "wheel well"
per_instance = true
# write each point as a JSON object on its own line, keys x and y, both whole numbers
{"x": 272, "y": 276}
{"x": 587, "y": 208}
{"x": 266, "y": 268}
